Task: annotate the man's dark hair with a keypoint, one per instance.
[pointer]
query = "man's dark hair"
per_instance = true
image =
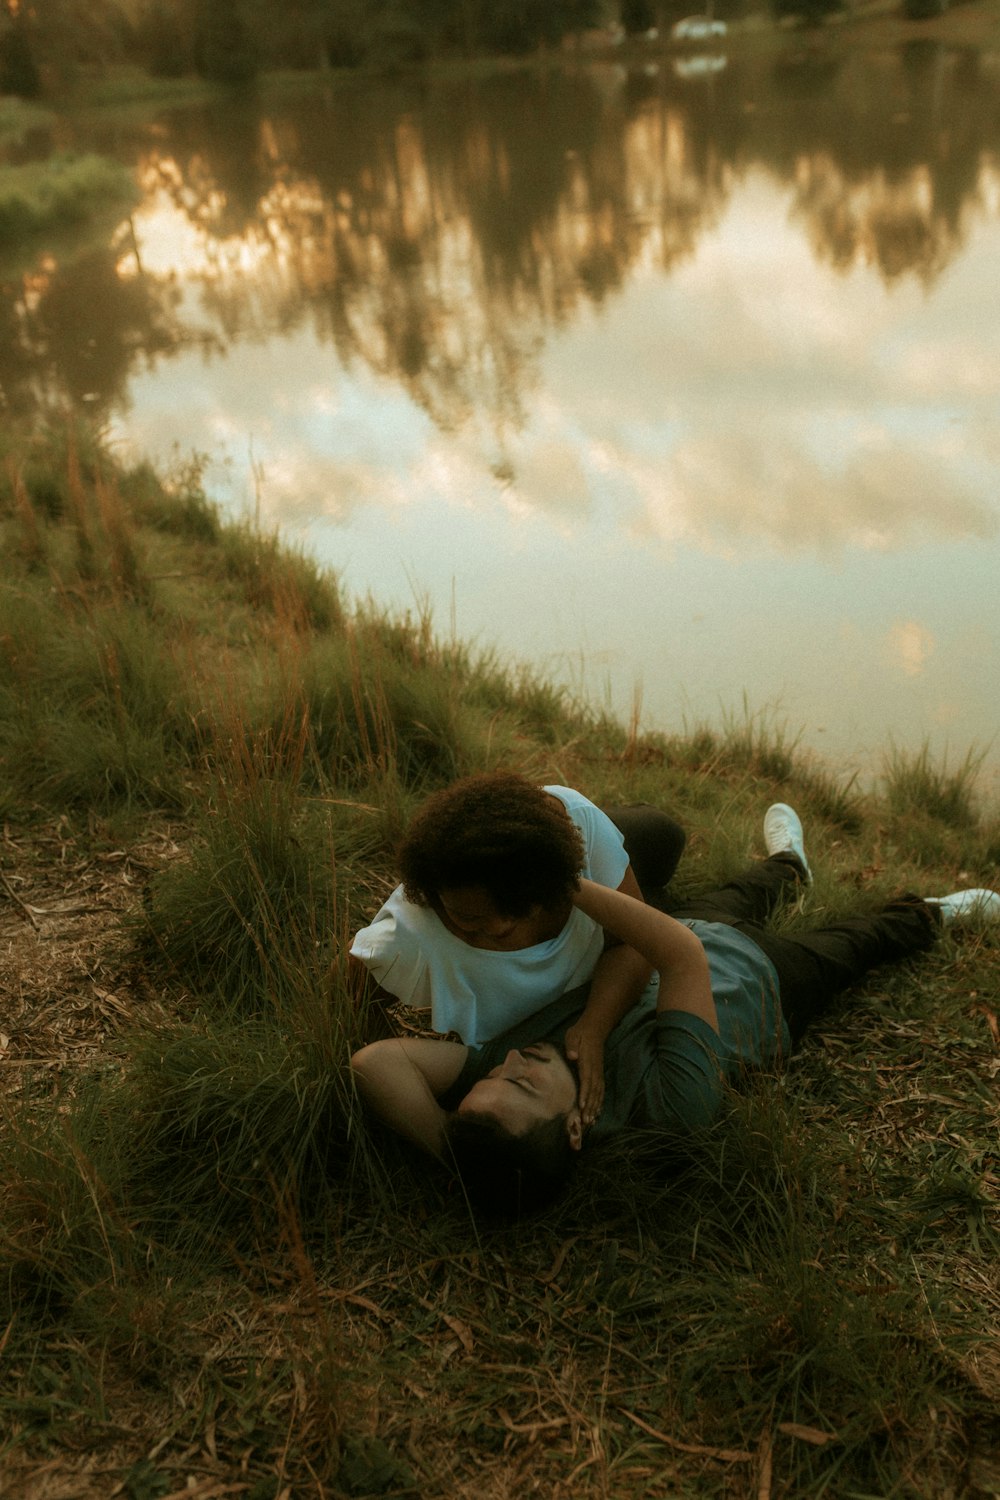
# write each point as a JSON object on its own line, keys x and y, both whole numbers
{"x": 505, "y": 1175}
{"x": 498, "y": 831}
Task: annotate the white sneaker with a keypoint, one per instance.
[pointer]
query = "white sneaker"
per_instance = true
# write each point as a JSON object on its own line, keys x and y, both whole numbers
{"x": 964, "y": 904}
{"x": 783, "y": 835}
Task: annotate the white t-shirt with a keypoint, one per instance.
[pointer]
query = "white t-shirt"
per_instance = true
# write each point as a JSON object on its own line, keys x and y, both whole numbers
{"x": 477, "y": 992}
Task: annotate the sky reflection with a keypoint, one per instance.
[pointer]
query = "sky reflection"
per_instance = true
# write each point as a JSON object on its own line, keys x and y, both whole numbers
{"x": 761, "y": 463}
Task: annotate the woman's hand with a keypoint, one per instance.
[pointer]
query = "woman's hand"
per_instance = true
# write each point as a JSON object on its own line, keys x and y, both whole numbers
{"x": 586, "y": 1049}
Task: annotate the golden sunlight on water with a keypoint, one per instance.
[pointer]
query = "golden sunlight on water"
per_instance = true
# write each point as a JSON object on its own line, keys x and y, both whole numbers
{"x": 681, "y": 393}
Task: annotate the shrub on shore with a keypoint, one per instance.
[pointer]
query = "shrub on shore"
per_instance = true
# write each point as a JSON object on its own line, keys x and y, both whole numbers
{"x": 18, "y": 118}
{"x": 62, "y": 192}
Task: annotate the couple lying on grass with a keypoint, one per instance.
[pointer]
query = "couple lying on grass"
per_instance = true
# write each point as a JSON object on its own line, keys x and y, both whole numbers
{"x": 584, "y": 1009}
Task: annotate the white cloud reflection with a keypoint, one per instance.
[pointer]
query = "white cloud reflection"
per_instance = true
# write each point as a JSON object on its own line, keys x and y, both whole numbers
{"x": 753, "y": 407}
{"x": 755, "y": 397}
{"x": 909, "y": 645}
{"x": 770, "y": 401}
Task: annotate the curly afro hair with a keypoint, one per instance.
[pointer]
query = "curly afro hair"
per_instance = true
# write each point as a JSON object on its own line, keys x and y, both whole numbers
{"x": 498, "y": 831}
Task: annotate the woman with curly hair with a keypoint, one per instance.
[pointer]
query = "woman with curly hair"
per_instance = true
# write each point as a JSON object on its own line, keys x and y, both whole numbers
{"x": 483, "y": 929}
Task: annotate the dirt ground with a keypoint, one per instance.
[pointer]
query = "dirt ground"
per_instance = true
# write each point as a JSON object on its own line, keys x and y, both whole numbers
{"x": 64, "y": 979}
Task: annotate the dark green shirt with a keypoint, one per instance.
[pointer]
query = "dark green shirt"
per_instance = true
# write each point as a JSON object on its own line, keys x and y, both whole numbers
{"x": 667, "y": 1069}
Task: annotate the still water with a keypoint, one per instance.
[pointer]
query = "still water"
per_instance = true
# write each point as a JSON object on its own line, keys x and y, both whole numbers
{"x": 680, "y": 383}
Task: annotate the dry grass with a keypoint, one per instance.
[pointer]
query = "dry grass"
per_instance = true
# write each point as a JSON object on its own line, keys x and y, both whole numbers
{"x": 64, "y": 970}
{"x": 811, "y": 1306}
{"x": 657, "y": 1334}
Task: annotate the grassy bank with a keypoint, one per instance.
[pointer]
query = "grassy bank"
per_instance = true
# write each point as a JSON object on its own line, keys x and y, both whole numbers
{"x": 216, "y": 1280}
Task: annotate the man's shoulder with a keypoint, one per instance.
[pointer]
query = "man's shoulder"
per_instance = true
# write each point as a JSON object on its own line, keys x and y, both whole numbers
{"x": 723, "y": 941}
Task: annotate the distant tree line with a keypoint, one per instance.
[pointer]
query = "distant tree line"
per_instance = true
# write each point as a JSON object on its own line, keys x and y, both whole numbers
{"x": 231, "y": 40}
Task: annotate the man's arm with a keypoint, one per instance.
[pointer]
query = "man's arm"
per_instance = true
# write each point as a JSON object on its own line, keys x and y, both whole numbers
{"x": 669, "y": 946}
{"x": 620, "y": 976}
{"x": 400, "y": 1079}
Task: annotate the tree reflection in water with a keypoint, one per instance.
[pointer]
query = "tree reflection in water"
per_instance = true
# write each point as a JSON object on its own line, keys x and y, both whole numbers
{"x": 436, "y": 232}
{"x": 683, "y": 339}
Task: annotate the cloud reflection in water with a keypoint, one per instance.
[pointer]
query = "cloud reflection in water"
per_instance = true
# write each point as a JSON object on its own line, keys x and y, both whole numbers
{"x": 619, "y": 434}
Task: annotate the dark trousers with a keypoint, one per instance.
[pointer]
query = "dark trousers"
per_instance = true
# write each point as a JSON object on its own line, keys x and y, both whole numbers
{"x": 654, "y": 844}
{"x": 813, "y": 967}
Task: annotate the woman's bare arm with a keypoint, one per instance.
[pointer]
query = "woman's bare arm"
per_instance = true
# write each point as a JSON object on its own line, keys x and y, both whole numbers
{"x": 669, "y": 946}
{"x": 619, "y": 978}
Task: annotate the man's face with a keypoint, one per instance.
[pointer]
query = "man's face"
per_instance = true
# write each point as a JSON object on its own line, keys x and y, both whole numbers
{"x": 531, "y": 1085}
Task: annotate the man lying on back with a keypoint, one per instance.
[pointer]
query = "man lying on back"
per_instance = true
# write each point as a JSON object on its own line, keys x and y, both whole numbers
{"x": 732, "y": 996}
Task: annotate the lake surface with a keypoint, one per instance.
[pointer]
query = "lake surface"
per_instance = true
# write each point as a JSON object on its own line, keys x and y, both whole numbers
{"x": 679, "y": 380}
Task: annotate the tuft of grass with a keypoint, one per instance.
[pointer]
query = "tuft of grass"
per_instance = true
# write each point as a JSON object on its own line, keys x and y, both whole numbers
{"x": 255, "y": 901}
{"x": 177, "y": 506}
{"x": 92, "y": 715}
{"x": 752, "y": 747}
{"x": 221, "y": 1121}
{"x": 286, "y": 583}
{"x": 541, "y": 708}
{"x": 381, "y": 712}
{"x": 916, "y": 784}
{"x": 61, "y": 1224}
